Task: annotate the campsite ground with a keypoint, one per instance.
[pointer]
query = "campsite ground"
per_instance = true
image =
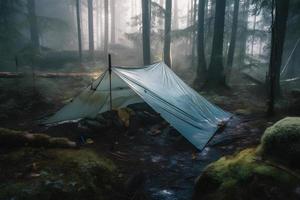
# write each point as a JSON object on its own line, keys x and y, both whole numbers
{"x": 155, "y": 158}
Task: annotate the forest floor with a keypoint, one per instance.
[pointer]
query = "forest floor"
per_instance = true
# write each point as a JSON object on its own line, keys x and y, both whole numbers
{"x": 158, "y": 158}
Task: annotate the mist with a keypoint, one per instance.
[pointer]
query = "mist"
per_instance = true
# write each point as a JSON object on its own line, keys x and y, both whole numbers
{"x": 149, "y": 99}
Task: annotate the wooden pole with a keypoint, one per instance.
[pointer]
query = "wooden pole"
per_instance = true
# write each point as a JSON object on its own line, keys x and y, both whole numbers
{"x": 109, "y": 70}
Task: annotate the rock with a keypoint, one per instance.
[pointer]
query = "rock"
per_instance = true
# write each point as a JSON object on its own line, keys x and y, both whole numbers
{"x": 295, "y": 93}
{"x": 243, "y": 176}
{"x": 136, "y": 183}
{"x": 281, "y": 142}
{"x": 124, "y": 115}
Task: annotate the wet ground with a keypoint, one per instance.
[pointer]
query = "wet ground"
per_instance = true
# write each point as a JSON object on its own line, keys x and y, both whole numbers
{"x": 164, "y": 164}
{"x": 172, "y": 165}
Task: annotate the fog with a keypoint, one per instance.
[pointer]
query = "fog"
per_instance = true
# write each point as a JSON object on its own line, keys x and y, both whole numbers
{"x": 137, "y": 99}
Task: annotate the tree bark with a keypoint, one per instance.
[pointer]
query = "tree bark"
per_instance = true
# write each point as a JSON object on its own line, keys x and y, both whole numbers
{"x": 176, "y": 25}
{"x": 216, "y": 75}
{"x": 101, "y": 22}
{"x": 34, "y": 31}
{"x": 201, "y": 69}
{"x": 193, "y": 34}
{"x": 106, "y": 30}
{"x": 231, "y": 50}
{"x": 91, "y": 27}
{"x": 79, "y": 30}
{"x": 278, "y": 37}
{"x": 244, "y": 32}
{"x": 146, "y": 31}
{"x": 167, "y": 41}
{"x": 253, "y": 35}
{"x": 113, "y": 21}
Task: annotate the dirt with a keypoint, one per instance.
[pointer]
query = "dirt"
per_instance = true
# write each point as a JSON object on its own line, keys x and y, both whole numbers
{"x": 169, "y": 164}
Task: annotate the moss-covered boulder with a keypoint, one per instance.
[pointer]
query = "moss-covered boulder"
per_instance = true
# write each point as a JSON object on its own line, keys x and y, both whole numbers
{"x": 244, "y": 176}
{"x": 281, "y": 142}
{"x": 270, "y": 171}
{"x": 51, "y": 174}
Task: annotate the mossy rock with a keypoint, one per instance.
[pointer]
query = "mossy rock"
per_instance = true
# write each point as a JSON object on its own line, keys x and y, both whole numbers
{"x": 281, "y": 142}
{"x": 33, "y": 173}
{"x": 243, "y": 176}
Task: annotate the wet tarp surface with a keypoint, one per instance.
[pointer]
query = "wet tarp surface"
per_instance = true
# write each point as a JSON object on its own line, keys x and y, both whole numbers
{"x": 188, "y": 112}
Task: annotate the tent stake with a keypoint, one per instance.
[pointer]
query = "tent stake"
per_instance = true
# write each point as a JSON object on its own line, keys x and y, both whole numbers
{"x": 109, "y": 70}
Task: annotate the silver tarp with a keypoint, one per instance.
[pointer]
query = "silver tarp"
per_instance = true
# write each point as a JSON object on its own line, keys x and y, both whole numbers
{"x": 157, "y": 85}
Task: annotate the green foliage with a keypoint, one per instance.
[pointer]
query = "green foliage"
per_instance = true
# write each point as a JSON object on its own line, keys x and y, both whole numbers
{"x": 281, "y": 141}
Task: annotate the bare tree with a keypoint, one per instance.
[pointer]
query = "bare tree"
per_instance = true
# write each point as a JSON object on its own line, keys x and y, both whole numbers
{"x": 105, "y": 28}
{"x": 201, "y": 69}
{"x": 216, "y": 75}
{"x": 34, "y": 31}
{"x": 278, "y": 37}
{"x": 79, "y": 30}
{"x": 253, "y": 34}
{"x": 233, "y": 36}
{"x": 176, "y": 26}
{"x": 113, "y": 21}
{"x": 167, "y": 41}
{"x": 91, "y": 26}
{"x": 146, "y": 31}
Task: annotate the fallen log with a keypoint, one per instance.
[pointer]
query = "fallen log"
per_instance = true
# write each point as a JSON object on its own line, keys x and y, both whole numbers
{"x": 48, "y": 74}
{"x": 11, "y": 75}
{"x": 12, "y": 138}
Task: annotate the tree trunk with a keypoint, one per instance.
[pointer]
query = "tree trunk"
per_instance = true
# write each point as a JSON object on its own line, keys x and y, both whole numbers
{"x": 167, "y": 41}
{"x": 97, "y": 25}
{"x": 91, "y": 27}
{"x": 34, "y": 31}
{"x": 253, "y": 35}
{"x": 101, "y": 22}
{"x": 278, "y": 37}
{"x": 231, "y": 50}
{"x": 79, "y": 30}
{"x": 216, "y": 75}
{"x": 113, "y": 21}
{"x": 106, "y": 29}
{"x": 244, "y": 32}
{"x": 193, "y": 34}
{"x": 201, "y": 70}
{"x": 146, "y": 31}
{"x": 176, "y": 26}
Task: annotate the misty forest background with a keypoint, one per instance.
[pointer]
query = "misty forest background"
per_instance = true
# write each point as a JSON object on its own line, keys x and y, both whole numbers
{"x": 212, "y": 45}
{"x": 241, "y": 55}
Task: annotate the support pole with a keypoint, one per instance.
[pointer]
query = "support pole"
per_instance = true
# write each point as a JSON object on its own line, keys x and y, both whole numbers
{"x": 109, "y": 70}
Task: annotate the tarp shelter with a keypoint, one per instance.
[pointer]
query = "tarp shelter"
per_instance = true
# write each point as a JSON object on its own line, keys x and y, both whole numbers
{"x": 157, "y": 85}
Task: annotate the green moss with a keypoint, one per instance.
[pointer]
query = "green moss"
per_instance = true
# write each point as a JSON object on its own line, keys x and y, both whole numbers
{"x": 281, "y": 142}
{"x": 242, "y": 176}
{"x": 57, "y": 174}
